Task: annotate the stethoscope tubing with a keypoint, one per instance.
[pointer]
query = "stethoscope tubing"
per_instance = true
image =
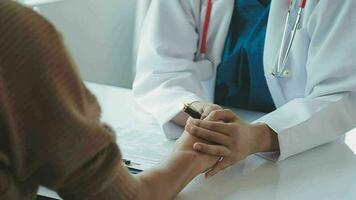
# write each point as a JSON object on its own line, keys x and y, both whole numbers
{"x": 283, "y": 54}
{"x": 206, "y": 25}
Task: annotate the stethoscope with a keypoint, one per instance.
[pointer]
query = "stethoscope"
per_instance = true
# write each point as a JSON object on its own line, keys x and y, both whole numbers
{"x": 280, "y": 70}
{"x": 204, "y": 35}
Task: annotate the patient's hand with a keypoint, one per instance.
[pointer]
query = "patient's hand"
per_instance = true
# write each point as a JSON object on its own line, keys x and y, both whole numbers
{"x": 185, "y": 145}
{"x": 168, "y": 178}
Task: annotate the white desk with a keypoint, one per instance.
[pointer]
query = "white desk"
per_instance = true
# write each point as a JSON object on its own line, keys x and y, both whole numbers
{"x": 326, "y": 172}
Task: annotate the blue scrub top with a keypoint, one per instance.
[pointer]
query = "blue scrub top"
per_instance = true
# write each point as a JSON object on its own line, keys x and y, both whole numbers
{"x": 240, "y": 76}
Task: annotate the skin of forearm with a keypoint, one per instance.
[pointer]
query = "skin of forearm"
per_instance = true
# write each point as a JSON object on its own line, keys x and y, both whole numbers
{"x": 168, "y": 179}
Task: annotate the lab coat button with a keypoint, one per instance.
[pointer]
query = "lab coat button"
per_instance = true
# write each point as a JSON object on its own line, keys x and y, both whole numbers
{"x": 270, "y": 71}
{"x": 286, "y": 73}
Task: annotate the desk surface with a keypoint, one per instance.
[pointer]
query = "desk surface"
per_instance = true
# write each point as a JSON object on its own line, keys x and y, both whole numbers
{"x": 326, "y": 172}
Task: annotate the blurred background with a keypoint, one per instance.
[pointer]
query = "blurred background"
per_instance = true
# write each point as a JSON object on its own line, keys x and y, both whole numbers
{"x": 101, "y": 35}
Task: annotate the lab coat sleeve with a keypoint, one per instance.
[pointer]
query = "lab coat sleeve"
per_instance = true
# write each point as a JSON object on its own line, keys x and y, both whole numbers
{"x": 328, "y": 109}
{"x": 167, "y": 75}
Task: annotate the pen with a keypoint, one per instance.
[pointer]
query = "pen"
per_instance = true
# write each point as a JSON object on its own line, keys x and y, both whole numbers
{"x": 191, "y": 112}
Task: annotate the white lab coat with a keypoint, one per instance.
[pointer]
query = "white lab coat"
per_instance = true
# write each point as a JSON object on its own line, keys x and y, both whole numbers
{"x": 316, "y": 105}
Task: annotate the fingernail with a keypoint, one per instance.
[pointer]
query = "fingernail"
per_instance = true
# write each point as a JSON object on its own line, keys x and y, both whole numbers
{"x": 197, "y": 147}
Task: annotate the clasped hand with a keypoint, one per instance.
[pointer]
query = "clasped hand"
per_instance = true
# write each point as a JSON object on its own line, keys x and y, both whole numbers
{"x": 224, "y": 135}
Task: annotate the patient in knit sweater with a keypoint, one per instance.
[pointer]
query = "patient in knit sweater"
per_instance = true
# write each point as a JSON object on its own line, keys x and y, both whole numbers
{"x": 50, "y": 129}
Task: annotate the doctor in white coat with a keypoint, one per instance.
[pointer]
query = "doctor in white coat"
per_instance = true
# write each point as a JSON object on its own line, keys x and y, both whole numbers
{"x": 314, "y": 92}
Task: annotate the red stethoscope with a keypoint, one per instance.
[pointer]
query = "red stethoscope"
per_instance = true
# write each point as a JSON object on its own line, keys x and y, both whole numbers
{"x": 284, "y": 52}
{"x": 204, "y": 36}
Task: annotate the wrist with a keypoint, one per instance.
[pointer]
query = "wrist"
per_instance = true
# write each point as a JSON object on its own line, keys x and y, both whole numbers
{"x": 266, "y": 137}
{"x": 192, "y": 161}
{"x": 168, "y": 178}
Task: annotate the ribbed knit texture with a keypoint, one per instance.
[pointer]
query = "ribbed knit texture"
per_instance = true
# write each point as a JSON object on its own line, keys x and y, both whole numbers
{"x": 50, "y": 133}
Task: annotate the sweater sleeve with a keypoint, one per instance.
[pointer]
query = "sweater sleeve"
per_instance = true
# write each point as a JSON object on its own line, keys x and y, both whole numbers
{"x": 50, "y": 120}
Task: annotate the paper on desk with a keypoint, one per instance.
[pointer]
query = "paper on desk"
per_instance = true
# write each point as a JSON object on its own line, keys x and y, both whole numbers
{"x": 144, "y": 147}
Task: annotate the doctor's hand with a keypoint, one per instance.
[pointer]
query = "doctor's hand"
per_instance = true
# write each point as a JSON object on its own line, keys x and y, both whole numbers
{"x": 185, "y": 145}
{"x": 205, "y": 108}
{"x": 230, "y": 138}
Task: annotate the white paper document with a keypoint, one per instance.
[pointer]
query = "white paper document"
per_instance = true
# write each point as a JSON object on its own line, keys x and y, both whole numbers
{"x": 144, "y": 147}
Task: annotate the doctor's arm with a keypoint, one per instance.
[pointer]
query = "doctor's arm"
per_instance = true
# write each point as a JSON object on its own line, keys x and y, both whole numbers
{"x": 167, "y": 75}
{"x": 325, "y": 113}
{"x": 328, "y": 109}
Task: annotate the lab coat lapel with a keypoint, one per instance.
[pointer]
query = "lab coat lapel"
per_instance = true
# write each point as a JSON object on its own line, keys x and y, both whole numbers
{"x": 274, "y": 35}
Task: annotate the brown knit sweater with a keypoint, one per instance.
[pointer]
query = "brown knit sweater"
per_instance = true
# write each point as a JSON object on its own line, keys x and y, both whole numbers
{"x": 50, "y": 133}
